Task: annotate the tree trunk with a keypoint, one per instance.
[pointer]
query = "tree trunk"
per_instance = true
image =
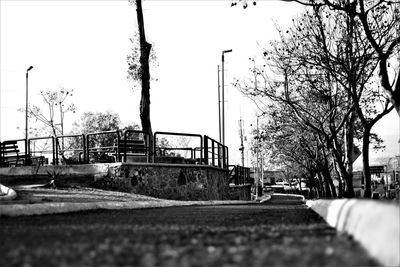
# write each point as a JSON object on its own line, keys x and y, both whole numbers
{"x": 348, "y": 178}
{"x": 145, "y": 48}
{"x": 330, "y": 187}
{"x": 349, "y": 154}
{"x": 327, "y": 179}
{"x": 365, "y": 155}
{"x": 340, "y": 179}
{"x": 321, "y": 190}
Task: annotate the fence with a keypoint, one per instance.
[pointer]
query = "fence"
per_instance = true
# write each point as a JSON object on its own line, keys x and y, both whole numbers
{"x": 134, "y": 144}
{"x": 71, "y": 148}
{"x": 39, "y": 148}
{"x": 239, "y": 175}
{"x": 103, "y": 148}
{"x": 215, "y": 153}
{"x": 121, "y": 146}
{"x": 164, "y": 152}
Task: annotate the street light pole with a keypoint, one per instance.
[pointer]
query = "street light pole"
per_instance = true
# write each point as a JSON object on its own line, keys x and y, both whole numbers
{"x": 223, "y": 95}
{"x": 258, "y": 159}
{"x": 26, "y": 117}
{"x": 219, "y": 108}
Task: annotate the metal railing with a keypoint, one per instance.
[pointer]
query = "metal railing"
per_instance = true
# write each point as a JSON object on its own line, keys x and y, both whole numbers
{"x": 102, "y": 150}
{"x": 162, "y": 150}
{"x": 145, "y": 138}
{"x": 118, "y": 146}
{"x": 215, "y": 153}
{"x": 239, "y": 175}
{"x": 37, "y": 152}
{"x": 68, "y": 143}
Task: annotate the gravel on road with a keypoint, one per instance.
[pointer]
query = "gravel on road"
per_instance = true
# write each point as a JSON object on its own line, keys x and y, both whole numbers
{"x": 269, "y": 234}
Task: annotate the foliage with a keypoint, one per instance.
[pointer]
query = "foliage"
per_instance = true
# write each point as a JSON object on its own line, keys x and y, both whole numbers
{"x": 380, "y": 24}
{"x": 92, "y": 122}
{"x": 96, "y": 122}
{"x": 133, "y": 60}
{"x": 57, "y": 104}
{"x": 50, "y": 119}
{"x": 327, "y": 63}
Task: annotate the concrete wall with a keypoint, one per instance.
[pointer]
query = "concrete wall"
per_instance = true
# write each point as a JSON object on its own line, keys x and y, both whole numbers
{"x": 240, "y": 192}
{"x": 169, "y": 181}
{"x": 64, "y": 174}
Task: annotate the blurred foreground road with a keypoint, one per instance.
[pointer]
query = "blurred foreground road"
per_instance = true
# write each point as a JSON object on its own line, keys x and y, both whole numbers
{"x": 270, "y": 234}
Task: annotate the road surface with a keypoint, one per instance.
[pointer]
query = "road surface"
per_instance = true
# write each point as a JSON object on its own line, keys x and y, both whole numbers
{"x": 269, "y": 234}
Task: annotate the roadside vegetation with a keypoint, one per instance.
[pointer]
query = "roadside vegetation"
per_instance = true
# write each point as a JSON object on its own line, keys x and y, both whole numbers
{"x": 322, "y": 86}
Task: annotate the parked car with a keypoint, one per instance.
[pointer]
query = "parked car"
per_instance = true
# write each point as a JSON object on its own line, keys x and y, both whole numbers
{"x": 286, "y": 186}
{"x": 274, "y": 188}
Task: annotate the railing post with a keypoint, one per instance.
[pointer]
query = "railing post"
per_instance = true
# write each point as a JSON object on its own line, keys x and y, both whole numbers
{"x": 227, "y": 157}
{"x": 124, "y": 141}
{"x": 56, "y": 149}
{"x": 201, "y": 149}
{"x": 213, "y": 153}
{"x": 28, "y": 152}
{"x": 84, "y": 148}
{"x": 148, "y": 148}
{"x": 219, "y": 155}
{"x": 118, "y": 145}
{"x": 223, "y": 157}
{"x": 87, "y": 148}
{"x": 53, "y": 151}
{"x": 154, "y": 147}
{"x": 206, "y": 150}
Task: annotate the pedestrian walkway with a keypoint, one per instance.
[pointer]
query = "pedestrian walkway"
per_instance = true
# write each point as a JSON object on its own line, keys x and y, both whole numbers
{"x": 278, "y": 233}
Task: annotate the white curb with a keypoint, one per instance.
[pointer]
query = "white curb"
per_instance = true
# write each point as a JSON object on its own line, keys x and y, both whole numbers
{"x": 374, "y": 224}
{"x": 7, "y": 193}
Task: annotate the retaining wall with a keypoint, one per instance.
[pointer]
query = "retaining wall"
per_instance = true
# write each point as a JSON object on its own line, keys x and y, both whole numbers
{"x": 169, "y": 181}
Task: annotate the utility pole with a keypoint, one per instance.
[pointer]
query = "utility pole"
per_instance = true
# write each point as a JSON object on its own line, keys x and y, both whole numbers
{"x": 241, "y": 133}
{"x": 219, "y": 109}
{"x": 223, "y": 95}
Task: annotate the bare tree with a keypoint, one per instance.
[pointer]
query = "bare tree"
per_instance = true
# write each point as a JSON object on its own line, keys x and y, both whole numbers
{"x": 57, "y": 105}
{"x": 380, "y": 20}
{"x": 56, "y": 102}
{"x": 327, "y": 64}
{"x": 144, "y": 71}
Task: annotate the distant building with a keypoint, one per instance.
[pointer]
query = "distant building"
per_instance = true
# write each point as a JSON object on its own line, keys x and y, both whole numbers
{"x": 383, "y": 170}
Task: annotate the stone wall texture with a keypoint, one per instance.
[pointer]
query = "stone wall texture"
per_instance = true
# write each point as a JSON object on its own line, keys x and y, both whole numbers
{"x": 169, "y": 181}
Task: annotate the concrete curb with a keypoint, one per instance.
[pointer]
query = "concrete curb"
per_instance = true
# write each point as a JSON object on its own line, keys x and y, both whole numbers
{"x": 288, "y": 197}
{"x": 7, "y": 193}
{"x": 65, "y": 207}
{"x": 374, "y": 224}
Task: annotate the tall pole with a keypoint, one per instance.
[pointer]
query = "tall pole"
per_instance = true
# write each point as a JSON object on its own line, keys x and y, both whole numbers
{"x": 241, "y": 140}
{"x": 26, "y": 116}
{"x": 257, "y": 156}
{"x": 219, "y": 109}
{"x": 62, "y": 125}
{"x": 223, "y": 95}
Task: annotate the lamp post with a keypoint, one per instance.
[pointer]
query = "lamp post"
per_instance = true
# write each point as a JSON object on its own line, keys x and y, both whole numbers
{"x": 26, "y": 117}
{"x": 219, "y": 108}
{"x": 223, "y": 95}
{"x": 258, "y": 173}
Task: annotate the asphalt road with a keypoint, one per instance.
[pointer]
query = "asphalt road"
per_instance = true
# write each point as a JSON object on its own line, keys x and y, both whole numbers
{"x": 272, "y": 234}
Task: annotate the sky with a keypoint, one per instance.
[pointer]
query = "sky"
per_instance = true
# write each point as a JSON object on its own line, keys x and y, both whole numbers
{"x": 82, "y": 45}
